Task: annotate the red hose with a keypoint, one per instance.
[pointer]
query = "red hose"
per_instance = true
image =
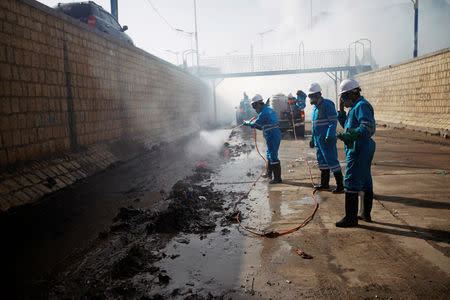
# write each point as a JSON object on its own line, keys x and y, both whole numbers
{"x": 276, "y": 234}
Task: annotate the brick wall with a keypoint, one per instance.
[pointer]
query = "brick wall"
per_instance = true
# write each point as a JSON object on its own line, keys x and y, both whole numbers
{"x": 66, "y": 87}
{"x": 414, "y": 94}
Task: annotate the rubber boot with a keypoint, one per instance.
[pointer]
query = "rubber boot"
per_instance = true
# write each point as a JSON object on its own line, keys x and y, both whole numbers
{"x": 351, "y": 211}
{"x": 324, "y": 181}
{"x": 339, "y": 183}
{"x": 268, "y": 173}
{"x": 366, "y": 207}
{"x": 276, "y": 168}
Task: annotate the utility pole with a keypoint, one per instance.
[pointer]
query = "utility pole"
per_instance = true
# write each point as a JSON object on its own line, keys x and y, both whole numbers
{"x": 416, "y": 25}
{"x": 114, "y": 9}
{"x": 196, "y": 36}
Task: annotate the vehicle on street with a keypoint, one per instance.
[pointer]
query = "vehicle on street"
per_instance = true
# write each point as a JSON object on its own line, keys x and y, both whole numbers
{"x": 94, "y": 15}
{"x": 289, "y": 119}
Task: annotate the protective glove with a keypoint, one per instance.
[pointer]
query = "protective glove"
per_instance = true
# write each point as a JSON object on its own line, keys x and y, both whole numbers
{"x": 330, "y": 140}
{"x": 349, "y": 138}
{"x": 311, "y": 142}
{"x": 246, "y": 123}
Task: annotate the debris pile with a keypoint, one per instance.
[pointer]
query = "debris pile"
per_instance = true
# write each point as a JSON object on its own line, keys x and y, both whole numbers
{"x": 122, "y": 263}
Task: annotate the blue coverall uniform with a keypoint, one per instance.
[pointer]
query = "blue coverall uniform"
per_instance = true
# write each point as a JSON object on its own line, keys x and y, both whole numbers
{"x": 359, "y": 158}
{"x": 301, "y": 102}
{"x": 267, "y": 121}
{"x": 299, "y": 105}
{"x": 324, "y": 122}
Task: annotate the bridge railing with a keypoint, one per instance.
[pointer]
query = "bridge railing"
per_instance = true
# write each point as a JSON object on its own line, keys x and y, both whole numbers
{"x": 275, "y": 62}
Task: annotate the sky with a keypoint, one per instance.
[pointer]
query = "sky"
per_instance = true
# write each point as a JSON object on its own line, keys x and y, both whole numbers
{"x": 232, "y": 26}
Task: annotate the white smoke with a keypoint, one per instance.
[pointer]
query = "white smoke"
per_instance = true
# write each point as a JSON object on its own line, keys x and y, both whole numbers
{"x": 336, "y": 24}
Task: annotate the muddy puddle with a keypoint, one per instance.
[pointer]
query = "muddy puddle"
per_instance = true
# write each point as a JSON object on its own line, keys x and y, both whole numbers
{"x": 187, "y": 245}
{"x": 181, "y": 242}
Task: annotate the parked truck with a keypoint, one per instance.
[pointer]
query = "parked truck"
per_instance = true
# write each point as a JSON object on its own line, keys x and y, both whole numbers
{"x": 290, "y": 116}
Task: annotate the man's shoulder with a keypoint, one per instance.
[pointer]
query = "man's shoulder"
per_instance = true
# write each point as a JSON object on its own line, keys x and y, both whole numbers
{"x": 267, "y": 109}
{"x": 363, "y": 103}
{"x": 328, "y": 102}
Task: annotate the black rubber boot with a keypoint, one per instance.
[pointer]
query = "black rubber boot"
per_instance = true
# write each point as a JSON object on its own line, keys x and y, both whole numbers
{"x": 339, "y": 183}
{"x": 366, "y": 207}
{"x": 351, "y": 211}
{"x": 268, "y": 173}
{"x": 276, "y": 168}
{"x": 324, "y": 181}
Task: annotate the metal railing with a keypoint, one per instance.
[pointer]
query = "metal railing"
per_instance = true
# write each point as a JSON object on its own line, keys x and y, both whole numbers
{"x": 302, "y": 60}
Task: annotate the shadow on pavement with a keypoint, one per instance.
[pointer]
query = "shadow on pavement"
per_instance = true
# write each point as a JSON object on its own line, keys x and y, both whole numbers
{"x": 410, "y": 231}
{"x": 413, "y": 201}
{"x": 301, "y": 184}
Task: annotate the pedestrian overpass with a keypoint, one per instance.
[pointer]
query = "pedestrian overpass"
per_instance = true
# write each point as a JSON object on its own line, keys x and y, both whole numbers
{"x": 336, "y": 64}
{"x": 323, "y": 61}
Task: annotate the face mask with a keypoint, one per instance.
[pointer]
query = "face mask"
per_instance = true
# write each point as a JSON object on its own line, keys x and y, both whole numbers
{"x": 314, "y": 100}
{"x": 257, "y": 108}
{"x": 347, "y": 101}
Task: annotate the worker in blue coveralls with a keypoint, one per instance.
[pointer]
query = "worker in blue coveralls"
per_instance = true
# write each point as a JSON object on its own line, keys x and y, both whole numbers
{"x": 267, "y": 121}
{"x": 301, "y": 99}
{"x": 324, "y": 122}
{"x": 359, "y": 126}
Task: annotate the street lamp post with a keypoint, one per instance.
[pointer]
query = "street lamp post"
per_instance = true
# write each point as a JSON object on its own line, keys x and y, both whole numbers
{"x": 196, "y": 35}
{"x": 370, "y": 48}
{"x": 184, "y": 56}
{"x": 300, "y": 47}
{"x": 354, "y": 43}
{"x": 261, "y": 35}
{"x": 416, "y": 25}
{"x": 191, "y": 34}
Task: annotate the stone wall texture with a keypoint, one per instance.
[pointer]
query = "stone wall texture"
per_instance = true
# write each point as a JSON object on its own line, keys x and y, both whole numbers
{"x": 68, "y": 92}
{"x": 414, "y": 94}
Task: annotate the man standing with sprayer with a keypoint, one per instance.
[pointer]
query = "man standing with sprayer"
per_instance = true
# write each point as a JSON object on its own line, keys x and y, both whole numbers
{"x": 267, "y": 121}
{"x": 324, "y": 122}
{"x": 359, "y": 126}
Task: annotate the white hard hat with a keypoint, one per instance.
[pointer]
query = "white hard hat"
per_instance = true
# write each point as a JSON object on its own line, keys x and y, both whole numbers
{"x": 257, "y": 98}
{"x": 290, "y": 95}
{"x": 348, "y": 85}
{"x": 314, "y": 88}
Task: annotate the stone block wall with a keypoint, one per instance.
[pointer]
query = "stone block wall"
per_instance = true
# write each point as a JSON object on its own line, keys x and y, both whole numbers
{"x": 68, "y": 88}
{"x": 414, "y": 94}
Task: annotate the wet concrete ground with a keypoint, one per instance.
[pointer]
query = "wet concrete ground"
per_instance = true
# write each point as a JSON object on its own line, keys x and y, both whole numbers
{"x": 403, "y": 254}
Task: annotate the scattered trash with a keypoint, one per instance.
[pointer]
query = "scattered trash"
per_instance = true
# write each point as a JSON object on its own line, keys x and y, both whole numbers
{"x": 303, "y": 254}
{"x": 442, "y": 172}
{"x": 395, "y": 212}
{"x": 202, "y": 197}
{"x": 291, "y": 171}
{"x": 299, "y": 160}
{"x": 288, "y": 281}
{"x": 201, "y": 164}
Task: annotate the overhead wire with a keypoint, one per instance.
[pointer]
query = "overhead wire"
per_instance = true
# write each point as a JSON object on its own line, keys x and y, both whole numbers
{"x": 160, "y": 15}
